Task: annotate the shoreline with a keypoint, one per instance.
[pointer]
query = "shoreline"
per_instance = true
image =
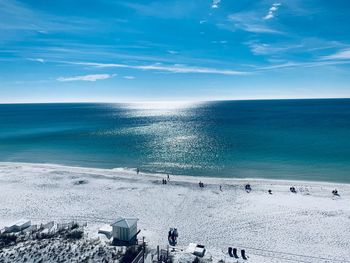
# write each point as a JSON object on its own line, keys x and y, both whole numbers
{"x": 121, "y": 171}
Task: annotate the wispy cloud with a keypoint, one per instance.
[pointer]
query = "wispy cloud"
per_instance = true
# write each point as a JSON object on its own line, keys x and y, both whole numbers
{"x": 15, "y": 16}
{"x": 273, "y": 9}
{"x": 215, "y": 3}
{"x": 18, "y": 16}
{"x": 219, "y": 42}
{"x": 174, "y": 68}
{"x": 129, "y": 77}
{"x": 163, "y": 9}
{"x": 311, "y": 64}
{"x": 258, "y": 48}
{"x": 250, "y": 22}
{"x": 173, "y": 52}
{"x": 93, "y": 77}
{"x": 21, "y": 16}
{"x": 340, "y": 55}
{"x": 312, "y": 47}
{"x": 37, "y": 60}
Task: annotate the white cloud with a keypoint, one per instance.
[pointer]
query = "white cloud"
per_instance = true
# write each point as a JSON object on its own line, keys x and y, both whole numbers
{"x": 310, "y": 64}
{"x": 175, "y": 68}
{"x": 258, "y": 48}
{"x": 202, "y": 21}
{"x": 173, "y": 52}
{"x": 340, "y": 55}
{"x": 272, "y": 11}
{"x": 219, "y": 42}
{"x": 215, "y": 3}
{"x": 93, "y": 77}
{"x": 129, "y": 77}
{"x": 250, "y": 22}
{"x": 37, "y": 60}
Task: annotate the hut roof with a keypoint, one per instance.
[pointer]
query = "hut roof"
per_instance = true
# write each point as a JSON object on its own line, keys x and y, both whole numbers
{"x": 21, "y": 222}
{"x": 125, "y": 222}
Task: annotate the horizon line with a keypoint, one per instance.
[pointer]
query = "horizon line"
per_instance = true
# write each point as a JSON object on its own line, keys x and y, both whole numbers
{"x": 173, "y": 101}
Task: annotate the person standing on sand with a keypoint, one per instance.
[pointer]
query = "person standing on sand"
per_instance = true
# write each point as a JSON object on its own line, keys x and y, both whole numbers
{"x": 169, "y": 234}
{"x": 220, "y": 188}
{"x": 168, "y": 177}
{"x": 137, "y": 170}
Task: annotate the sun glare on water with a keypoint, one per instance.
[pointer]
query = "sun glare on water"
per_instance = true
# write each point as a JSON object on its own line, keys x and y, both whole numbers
{"x": 160, "y": 108}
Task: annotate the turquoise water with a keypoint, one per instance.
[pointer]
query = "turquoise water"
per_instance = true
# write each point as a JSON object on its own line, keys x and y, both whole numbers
{"x": 284, "y": 139}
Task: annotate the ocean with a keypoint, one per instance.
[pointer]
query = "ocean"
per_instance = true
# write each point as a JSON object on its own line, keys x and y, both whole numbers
{"x": 276, "y": 139}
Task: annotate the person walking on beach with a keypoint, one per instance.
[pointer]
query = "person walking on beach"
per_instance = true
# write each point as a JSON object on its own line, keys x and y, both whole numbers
{"x": 137, "y": 170}
{"x": 168, "y": 177}
{"x": 248, "y": 188}
{"x": 220, "y": 188}
{"x": 169, "y": 233}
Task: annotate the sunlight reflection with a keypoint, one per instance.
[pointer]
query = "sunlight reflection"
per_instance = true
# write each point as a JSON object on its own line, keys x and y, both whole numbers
{"x": 159, "y": 108}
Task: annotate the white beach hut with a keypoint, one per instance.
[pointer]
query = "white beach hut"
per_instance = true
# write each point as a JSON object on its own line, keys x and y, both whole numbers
{"x": 125, "y": 229}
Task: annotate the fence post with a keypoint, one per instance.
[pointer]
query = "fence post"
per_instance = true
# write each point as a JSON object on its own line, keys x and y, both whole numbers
{"x": 167, "y": 252}
{"x": 158, "y": 253}
{"x": 143, "y": 248}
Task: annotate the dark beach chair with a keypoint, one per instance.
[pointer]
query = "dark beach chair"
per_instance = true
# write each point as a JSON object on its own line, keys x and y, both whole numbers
{"x": 230, "y": 252}
{"x": 234, "y": 252}
{"x": 335, "y": 192}
{"x": 243, "y": 254}
{"x": 292, "y": 189}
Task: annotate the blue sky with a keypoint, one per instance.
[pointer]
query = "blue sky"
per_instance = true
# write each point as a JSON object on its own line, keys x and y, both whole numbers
{"x": 110, "y": 50}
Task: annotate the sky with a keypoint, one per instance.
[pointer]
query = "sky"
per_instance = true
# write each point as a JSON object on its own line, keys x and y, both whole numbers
{"x": 164, "y": 50}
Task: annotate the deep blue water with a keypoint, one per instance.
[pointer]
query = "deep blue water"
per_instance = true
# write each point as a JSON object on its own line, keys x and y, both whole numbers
{"x": 284, "y": 139}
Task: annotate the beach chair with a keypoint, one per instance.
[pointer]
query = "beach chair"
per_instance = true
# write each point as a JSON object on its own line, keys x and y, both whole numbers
{"x": 230, "y": 252}
{"x": 335, "y": 192}
{"x": 243, "y": 254}
{"x": 234, "y": 252}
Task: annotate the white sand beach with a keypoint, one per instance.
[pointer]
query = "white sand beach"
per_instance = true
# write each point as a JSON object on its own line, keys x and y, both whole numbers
{"x": 309, "y": 226}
